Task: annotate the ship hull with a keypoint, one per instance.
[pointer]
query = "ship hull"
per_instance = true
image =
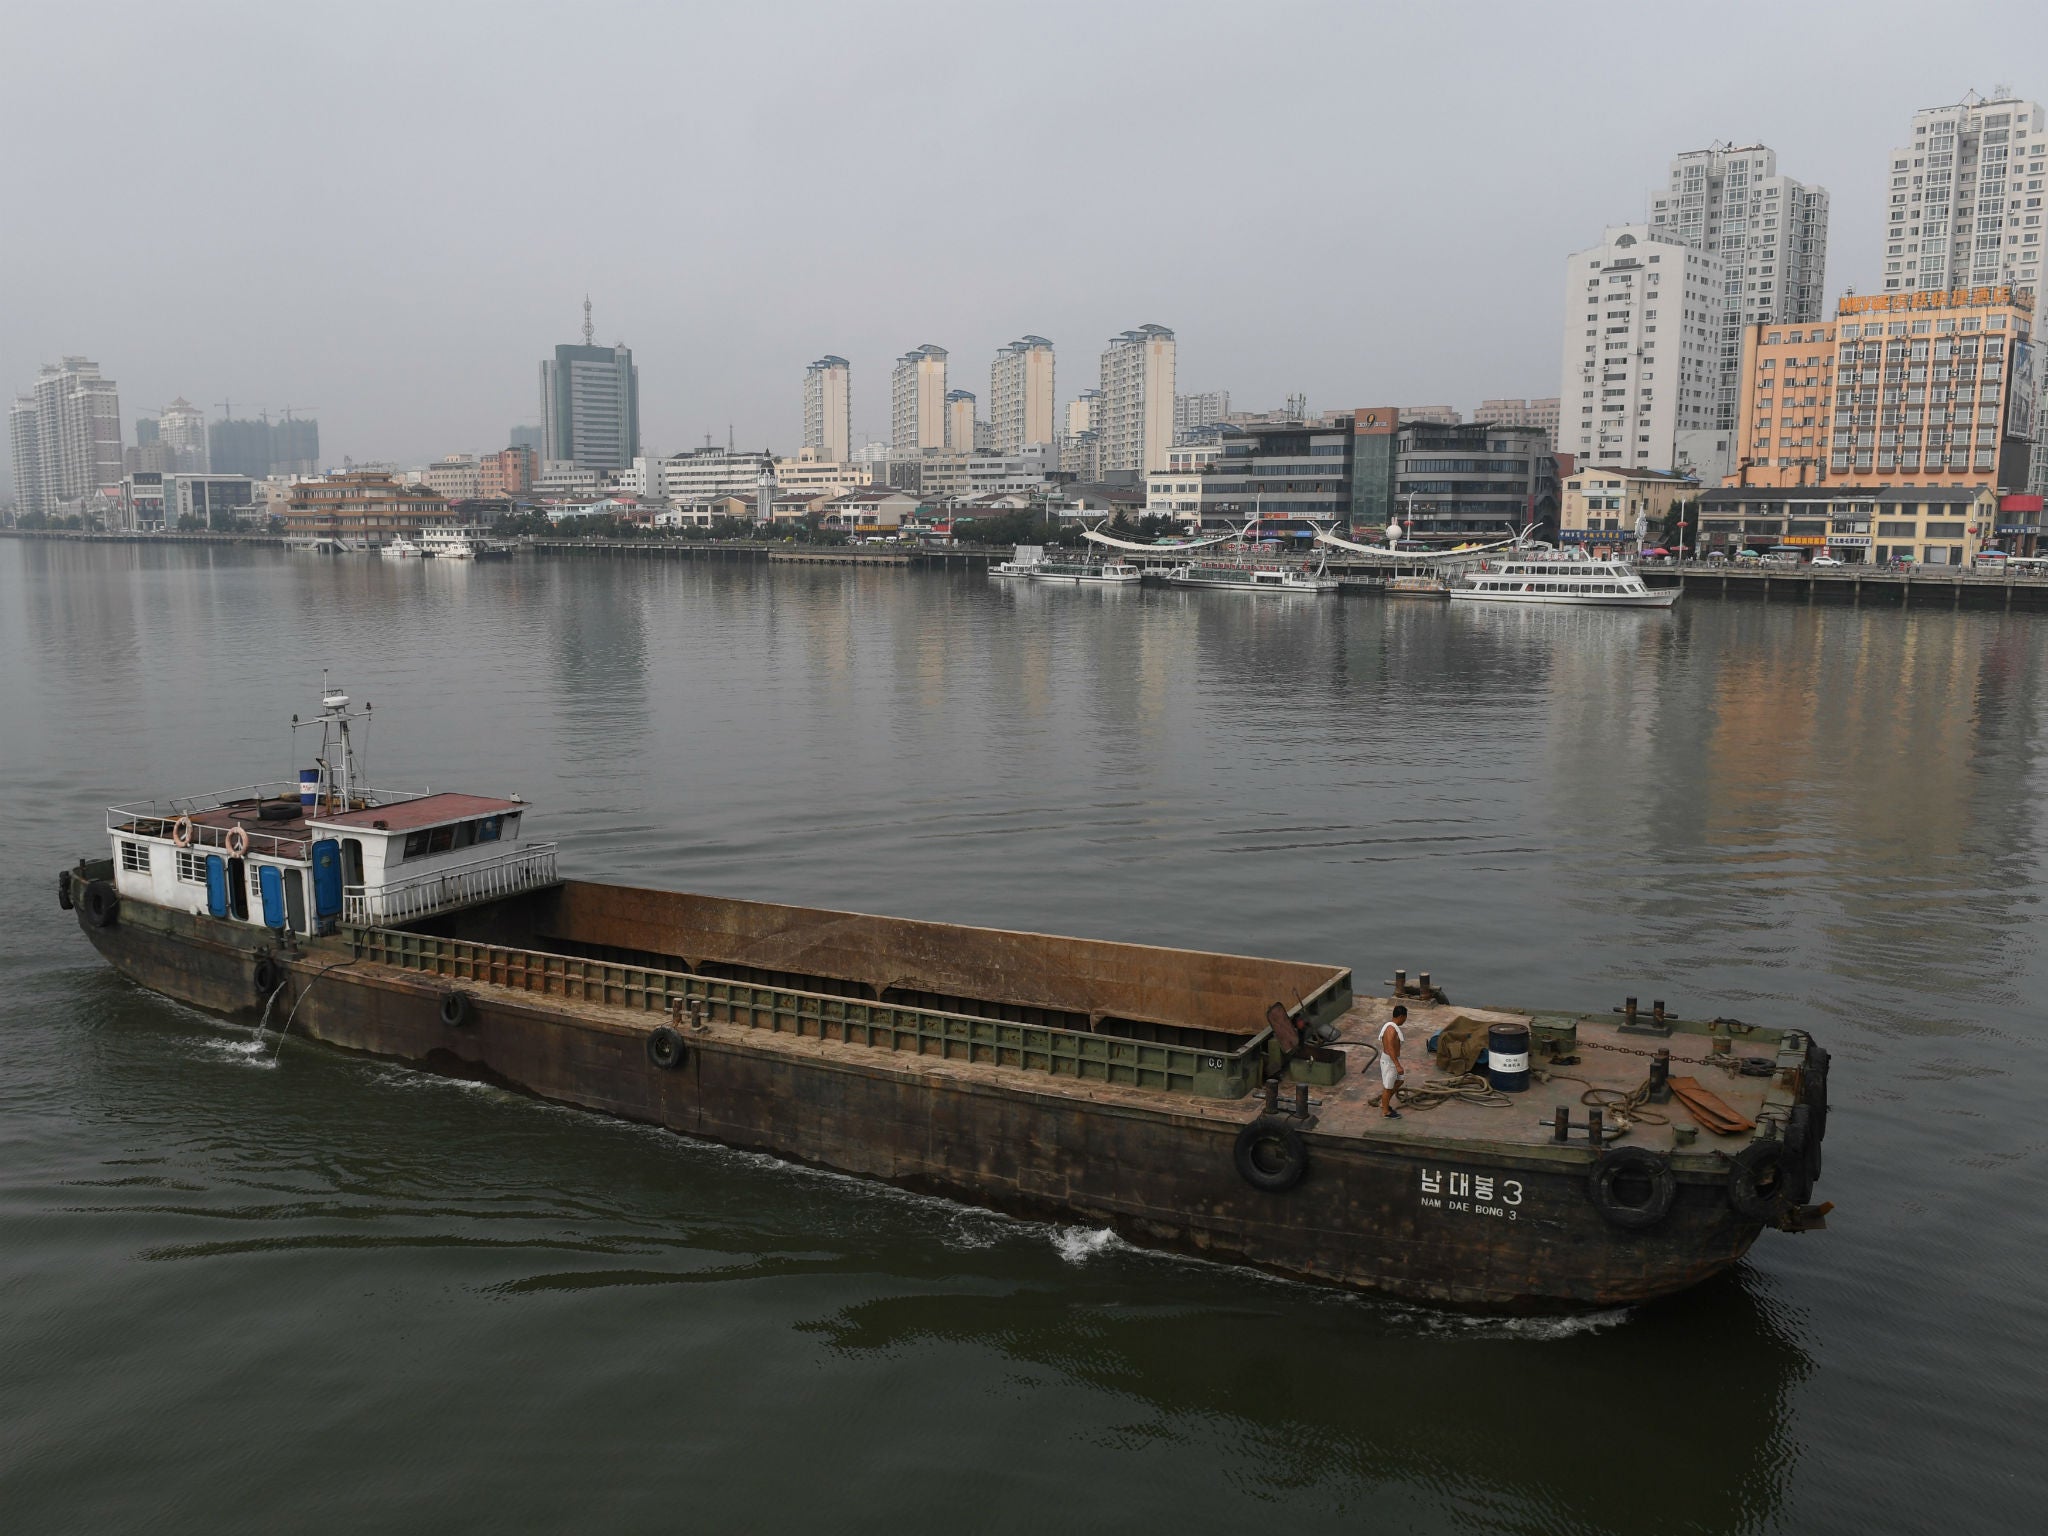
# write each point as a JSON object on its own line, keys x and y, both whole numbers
{"x": 1408, "y": 1222}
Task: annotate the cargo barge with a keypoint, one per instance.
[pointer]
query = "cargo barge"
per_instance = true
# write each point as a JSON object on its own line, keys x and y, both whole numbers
{"x": 1215, "y": 1104}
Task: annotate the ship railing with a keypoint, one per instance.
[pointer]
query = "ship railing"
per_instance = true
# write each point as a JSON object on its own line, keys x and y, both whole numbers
{"x": 422, "y": 895}
{"x": 1213, "y": 1073}
{"x": 159, "y": 818}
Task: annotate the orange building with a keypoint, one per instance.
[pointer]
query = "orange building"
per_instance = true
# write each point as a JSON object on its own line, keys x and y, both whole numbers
{"x": 1787, "y": 412}
{"x": 506, "y": 473}
{"x": 365, "y": 509}
{"x": 1918, "y": 390}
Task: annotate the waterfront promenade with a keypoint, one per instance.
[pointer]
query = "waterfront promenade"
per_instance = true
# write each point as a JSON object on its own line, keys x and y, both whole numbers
{"x": 1850, "y": 584}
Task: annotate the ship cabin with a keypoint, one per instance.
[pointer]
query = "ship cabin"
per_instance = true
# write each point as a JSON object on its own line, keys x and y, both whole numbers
{"x": 308, "y": 857}
{"x": 297, "y": 858}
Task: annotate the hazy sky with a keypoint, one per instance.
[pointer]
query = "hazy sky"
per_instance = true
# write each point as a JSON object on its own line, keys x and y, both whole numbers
{"x": 388, "y": 213}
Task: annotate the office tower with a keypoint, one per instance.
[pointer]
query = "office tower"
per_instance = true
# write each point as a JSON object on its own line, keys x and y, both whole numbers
{"x": 917, "y": 399}
{"x": 828, "y": 408}
{"x": 1137, "y": 400}
{"x": 1959, "y": 192}
{"x": 1020, "y": 395}
{"x": 146, "y": 432}
{"x": 1771, "y": 234}
{"x": 66, "y": 436}
{"x": 590, "y": 404}
{"x": 1191, "y": 413}
{"x": 1642, "y": 348}
{"x": 960, "y": 419}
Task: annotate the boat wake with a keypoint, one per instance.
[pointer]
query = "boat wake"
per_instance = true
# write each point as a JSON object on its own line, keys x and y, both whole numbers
{"x": 1077, "y": 1245}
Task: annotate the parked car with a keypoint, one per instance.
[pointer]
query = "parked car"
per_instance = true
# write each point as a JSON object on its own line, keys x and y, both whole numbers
{"x": 1824, "y": 560}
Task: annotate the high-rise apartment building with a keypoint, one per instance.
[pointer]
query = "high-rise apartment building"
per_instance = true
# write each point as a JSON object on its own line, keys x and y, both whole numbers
{"x": 235, "y": 447}
{"x": 828, "y": 409}
{"x": 181, "y": 426}
{"x": 1642, "y": 348}
{"x": 1020, "y": 395}
{"x": 590, "y": 404}
{"x": 1084, "y": 413}
{"x": 1137, "y": 400}
{"x": 66, "y": 437}
{"x": 917, "y": 399}
{"x": 1965, "y": 197}
{"x": 1771, "y": 234}
{"x": 960, "y": 420}
{"x": 1541, "y": 414}
{"x": 1191, "y": 413}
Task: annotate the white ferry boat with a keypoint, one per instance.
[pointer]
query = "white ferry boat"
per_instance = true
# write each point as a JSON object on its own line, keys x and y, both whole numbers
{"x": 1576, "y": 583}
{"x": 450, "y": 543}
{"x": 1249, "y": 578}
{"x": 1088, "y": 573}
{"x": 402, "y": 548}
{"x": 1022, "y": 562}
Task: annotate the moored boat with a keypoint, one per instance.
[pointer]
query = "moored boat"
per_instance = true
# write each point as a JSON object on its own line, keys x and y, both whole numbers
{"x": 1099, "y": 573}
{"x": 1218, "y": 1104}
{"x": 1242, "y": 576}
{"x": 1573, "y": 583}
{"x": 402, "y": 548}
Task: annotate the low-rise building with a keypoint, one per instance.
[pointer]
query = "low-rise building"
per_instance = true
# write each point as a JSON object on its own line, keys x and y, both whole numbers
{"x": 950, "y": 476}
{"x": 142, "y": 499}
{"x": 706, "y": 473}
{"x": 1618, "y": 510}
{"x": 1461, "y": 482}
{"x": 455, "y": 478}
{"x": 810, "y": 471}
{"x": 1929, "y": 526}
{"x": 361, "y": 509}
{"x": 218, "y": 501}
{"x": 872, "y": 509}
{"x": 1176, "y": 491}
{"x": 563, "y": 480}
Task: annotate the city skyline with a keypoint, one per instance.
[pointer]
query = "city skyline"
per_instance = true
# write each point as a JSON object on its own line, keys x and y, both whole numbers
{"x": 722, "y": 327}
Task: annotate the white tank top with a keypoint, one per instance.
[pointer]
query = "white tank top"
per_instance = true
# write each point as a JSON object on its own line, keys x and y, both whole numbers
{"x": 1400, "y": 1034}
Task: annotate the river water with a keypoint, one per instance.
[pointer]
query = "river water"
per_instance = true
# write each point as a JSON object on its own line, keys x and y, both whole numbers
{"x": 255, "y": 1290}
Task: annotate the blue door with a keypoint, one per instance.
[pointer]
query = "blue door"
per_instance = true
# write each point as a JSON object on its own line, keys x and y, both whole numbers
{"x": 270, "y": 880}
{"x": 326, "y": 881}
{"x": 216, "y": 885}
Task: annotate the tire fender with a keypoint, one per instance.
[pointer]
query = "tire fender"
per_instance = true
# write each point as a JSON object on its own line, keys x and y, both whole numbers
{"x": 456, "y": 1009}
{"x": 102, "y": 904}
{"x": 665, "y": 1048}
{"x": 1271, "y": 1155}
{"x": 1621, "y": 1174}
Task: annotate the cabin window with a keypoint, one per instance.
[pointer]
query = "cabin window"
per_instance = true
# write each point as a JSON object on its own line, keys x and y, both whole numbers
{"x": 511, "y": 826}
{"x": 135, "y": 856}
{"x": 295, "y": 901}
{"x": 488, "y": 829}
{"x": 440, "y": 839}
{"x": 415, "y": 844}
{"x": 352, "y": 861}
{"x": 191, "y": 867}
{"x": 465, "y": 834}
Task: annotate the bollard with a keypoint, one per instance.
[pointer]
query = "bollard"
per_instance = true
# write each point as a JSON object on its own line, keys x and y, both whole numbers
{"x": 1660, "y": 1076}
{"x": 1301, "y": 1100}
{"x": 1272, "y": 1095}
{"x": 1424, "y": 987}
{"x": 1595, "y": 1127}
{"x": 1560, "y": 1124}
{"x": 1723, "y": 1045}
{"x": 1657, "y": 1010}
{"x": 1628, "y": 1010}
{"x": 1400, "y": 983}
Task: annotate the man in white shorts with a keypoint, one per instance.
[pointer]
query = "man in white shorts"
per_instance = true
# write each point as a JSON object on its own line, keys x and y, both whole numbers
{"x": 1392, "y": 1037}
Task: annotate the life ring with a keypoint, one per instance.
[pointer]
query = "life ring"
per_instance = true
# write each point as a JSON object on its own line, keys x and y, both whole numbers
{"x": 181, "y": 831}
{"x": 665, "y": 1049}
{"x": 1761, "y": 1180}
{"x": 64, "y": 889}
{"x": 269, "y": 975}
{"x": 1632, "y": 1187}
{"x": 1271, "y": 1155}
{"x": 102, "y": 904}
{"x": 237, "y": 841}
{"x": 456, "y": 1009}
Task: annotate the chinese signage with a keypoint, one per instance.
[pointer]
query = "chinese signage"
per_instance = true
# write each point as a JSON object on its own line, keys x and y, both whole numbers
{"x": 1850, "y": 540}
{"x": 1595, "y": 536}
{"x": 1940, "y": 298}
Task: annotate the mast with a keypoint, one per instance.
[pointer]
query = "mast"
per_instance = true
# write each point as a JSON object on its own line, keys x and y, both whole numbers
{"x": 339, "y": 783}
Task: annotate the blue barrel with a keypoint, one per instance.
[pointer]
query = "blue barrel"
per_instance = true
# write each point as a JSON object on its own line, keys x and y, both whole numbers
{"x": 309, "y": 788}
{"x": 1507, "y": 1057}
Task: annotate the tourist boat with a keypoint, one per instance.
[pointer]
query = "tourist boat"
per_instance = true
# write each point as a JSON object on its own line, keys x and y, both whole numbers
{"x": 1089, "y": 573}
{"x": 1579, "y": 583}
{"x": 1022, "y": 562}
{"x": 1216, "y": 1104}
{"x": 402, "y": 548}
{"x": 450, "y": 543}
{"x": 1237, "y": 577}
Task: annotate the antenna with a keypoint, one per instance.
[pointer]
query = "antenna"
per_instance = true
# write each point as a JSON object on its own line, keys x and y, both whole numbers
{"x": 588, "y": 329}
{"x": 227, "y": 409}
